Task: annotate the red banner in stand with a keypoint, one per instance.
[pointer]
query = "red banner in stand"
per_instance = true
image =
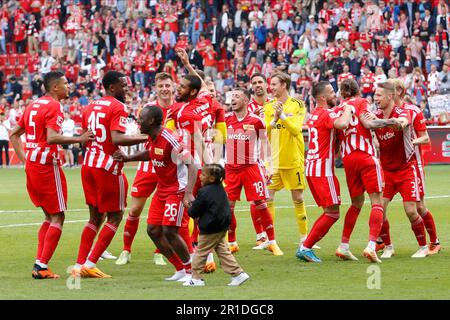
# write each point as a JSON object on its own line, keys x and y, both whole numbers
{"x": 439, "y": 151}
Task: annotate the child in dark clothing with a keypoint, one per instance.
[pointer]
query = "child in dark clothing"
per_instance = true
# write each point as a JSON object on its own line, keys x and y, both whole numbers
{"x": 214, "y": 216}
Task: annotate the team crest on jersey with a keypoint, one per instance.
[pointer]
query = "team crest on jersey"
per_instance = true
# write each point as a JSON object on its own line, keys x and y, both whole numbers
{"x": 159, "y": 151}
{"x": 123, "y": 121}
{"x": 59, "y": 121}
{"x": 249, "y": 127}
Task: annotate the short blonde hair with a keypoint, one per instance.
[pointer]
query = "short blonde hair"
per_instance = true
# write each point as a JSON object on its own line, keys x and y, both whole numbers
{"x": 399, "y": 86}
{"x": 283, "y": 77}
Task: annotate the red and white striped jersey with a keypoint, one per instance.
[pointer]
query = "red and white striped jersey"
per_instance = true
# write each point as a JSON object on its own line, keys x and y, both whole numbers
{"x": 243, "y": 140}
{"x": 168, "y": 157}
{"x": 325, "y": 15}
{"x": 253, "y": 105}
{"x": 322, "y": 142}
{"x": 146, "y": 166}
{"x": 42, "y": 113}
{"x": 344, "y": 76}
{"x": 419, "y": 124}
{"x": 356, "y": 136}
{"x": 367, "y": 83}
{"x": 103, "y": 116}
{"x": 396, "y": 148}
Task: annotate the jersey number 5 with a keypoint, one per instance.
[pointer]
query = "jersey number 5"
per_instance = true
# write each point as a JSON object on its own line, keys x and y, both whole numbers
{"x": 94, "y": 124}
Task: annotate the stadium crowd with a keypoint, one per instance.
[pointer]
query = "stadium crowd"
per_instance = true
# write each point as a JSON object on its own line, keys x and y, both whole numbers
{"x": 396, "y": 53}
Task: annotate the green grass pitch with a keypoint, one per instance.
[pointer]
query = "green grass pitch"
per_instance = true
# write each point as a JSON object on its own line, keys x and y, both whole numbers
{"x": 272, "y": 277}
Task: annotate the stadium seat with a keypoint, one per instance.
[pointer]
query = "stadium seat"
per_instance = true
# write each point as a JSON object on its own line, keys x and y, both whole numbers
{"x": 221, "y": 66}
{"x": 26, "y": 94}
{"x": 22, "y": 59}
{"x": 12, "y": 59}
{"x": 2, "y": 60}
{"x": 9, "y": 70}
{"x": 18, "y": 71}
{"x": 44, "y": 46}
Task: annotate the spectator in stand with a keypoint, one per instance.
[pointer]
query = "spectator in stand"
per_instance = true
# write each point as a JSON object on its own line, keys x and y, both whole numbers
{"x": 444, "y": 79}
{"x": 433, "y": 81}
{"x": 432, "y": 56}
{"x": 46, "y": 62}
{"x": 5, "y": 128}
{"x": 395, "y": 37}
{"x": 382, "y": 62}
{"x": 57, "y": 41}
{"x": 285, "y": 24}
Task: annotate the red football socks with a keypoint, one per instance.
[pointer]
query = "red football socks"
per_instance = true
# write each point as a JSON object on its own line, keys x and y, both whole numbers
{"x": 176, "y": 262}
{"x": 87, "y": 239}
{"x": 41, "y": 238}
{"x": 349, "y": 223}
{"x": 418, "y": 228}
{"x": 428, "y": 221}
{"x": 184, "y": 233}
{"x": 51, "y": 242}
{"x": 104, "y": 239}
{"x": 129, "y": 232}
{"x": 256, "y": 219}
{"x": 384, "y": 232}
{"x": 320, "y": 228}
{"x": 266, "y": 220}
{"x": 375, "y": 221}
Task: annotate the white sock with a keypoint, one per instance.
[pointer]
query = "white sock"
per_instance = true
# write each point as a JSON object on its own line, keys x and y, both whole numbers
{"x": 304, "y": 248}
{"x": 37, "y": 261}
{"x": 232, "y": 243}
{"x": 77, "y": 266}
{"x": 272, "y": 242}
{"x": 42, "y": 265}
{"x": 210, "y": 258}
{"x": 259, "y": 236}
{"x": 372, "y": 245}
{"x": 344, "y": 246}
{"x": 89, "y": 264}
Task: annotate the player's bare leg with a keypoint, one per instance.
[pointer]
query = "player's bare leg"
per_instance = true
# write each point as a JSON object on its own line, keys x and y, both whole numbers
{"x": 48, "y": 245}
{"x": 130, "y": 229}
{"x": 158, "y": 236}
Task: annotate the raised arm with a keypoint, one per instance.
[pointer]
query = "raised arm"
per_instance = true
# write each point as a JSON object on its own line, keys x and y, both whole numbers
{"x": 182, "y": 54}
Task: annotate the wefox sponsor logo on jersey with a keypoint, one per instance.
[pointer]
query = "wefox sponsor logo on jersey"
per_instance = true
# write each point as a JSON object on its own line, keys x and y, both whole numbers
{"x": 239, "y": 136}
{"x": 387, "y": 136}
{"x": 159, "y": 164}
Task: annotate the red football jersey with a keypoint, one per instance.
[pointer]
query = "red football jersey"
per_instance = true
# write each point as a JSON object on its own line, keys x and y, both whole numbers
{"x": 103, "y": 116}
{"x": 322, "y": 141}
{"x": 168, "y": 158}
{"x": 146, "y": 166}
{"x": 396, "y": 148}
{"x": 253, "y": 105}
{"x": 243, "y": 140}
{"x": 43, "y": 113}
{"x": 419, "y": 124}
{"x": 356, "y": 136}
{"x": 193, "y": 116}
